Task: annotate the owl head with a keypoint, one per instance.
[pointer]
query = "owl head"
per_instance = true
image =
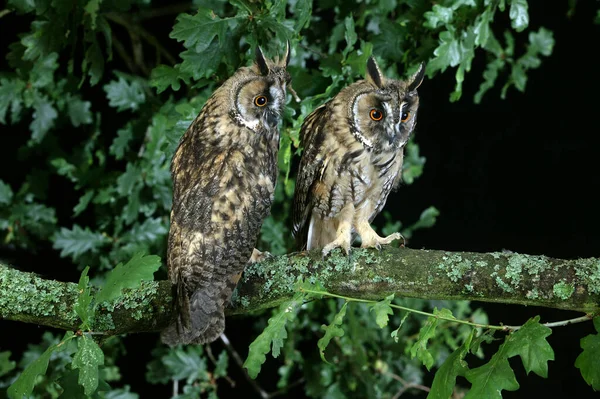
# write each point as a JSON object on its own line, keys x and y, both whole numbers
{"x": 258, "y": 92}
{"x": 382, "y": 113}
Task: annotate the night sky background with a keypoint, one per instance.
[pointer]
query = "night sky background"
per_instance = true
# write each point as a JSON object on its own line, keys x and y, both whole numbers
{"x": 519, "y": 174}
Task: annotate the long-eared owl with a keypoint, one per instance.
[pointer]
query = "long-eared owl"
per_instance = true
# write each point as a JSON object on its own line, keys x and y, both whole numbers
{"x": 224, "y": 173}
{"x": 352, "y": 159}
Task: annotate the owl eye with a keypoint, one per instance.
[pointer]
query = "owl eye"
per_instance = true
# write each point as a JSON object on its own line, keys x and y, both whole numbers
{"x": 376, "y": 115}
{"x": 405, "y": 116}
{"x": 260, "y": 101}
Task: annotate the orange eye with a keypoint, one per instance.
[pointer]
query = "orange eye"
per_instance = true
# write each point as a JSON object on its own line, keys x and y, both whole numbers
{"x": 260, "y": 101}
{"x": 405, "y": 116}
{"x": 376, "y": 115}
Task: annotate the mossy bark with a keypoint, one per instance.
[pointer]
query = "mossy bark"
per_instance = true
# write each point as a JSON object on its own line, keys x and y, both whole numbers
{"x": 501, "y": 277}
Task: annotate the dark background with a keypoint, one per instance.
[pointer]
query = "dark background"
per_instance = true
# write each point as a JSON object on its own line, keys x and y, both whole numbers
{"x": 519, "y": 174}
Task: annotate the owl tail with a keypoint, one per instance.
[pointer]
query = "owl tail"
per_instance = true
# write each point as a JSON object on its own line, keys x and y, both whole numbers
{"x": 320, "y": 232}
{"x": 201, "y": 318}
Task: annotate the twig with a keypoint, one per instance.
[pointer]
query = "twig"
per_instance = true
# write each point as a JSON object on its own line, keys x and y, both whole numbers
{"x": 406, "y": 385}
{"x": 586, "y": 317}
{"x": 240, "y": 363}
{"x": 287, "y": 388}
{"x": 123, "y": 54}
{"x": 132, "y": 26}
{"x": 166, "y": 10}
{"x": 214, "y": 361}
{"x": 175, "y": 388}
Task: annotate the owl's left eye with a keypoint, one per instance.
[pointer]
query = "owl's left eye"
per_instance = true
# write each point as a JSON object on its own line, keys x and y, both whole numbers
{"x": 260, "y": 101}
{"x": 376, "y": 114}
{"x": 405, "y": 116}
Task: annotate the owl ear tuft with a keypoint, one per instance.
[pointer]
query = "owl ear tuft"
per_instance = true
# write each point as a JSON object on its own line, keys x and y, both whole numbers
{"x": 288, "y": 53}
{"x": 261, "y": 62}
{"x": 417, "y": 78}
{"x": 374, "y": 74}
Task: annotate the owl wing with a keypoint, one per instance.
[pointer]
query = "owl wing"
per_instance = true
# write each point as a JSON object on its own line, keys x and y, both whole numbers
{"x": 309, "y": 173}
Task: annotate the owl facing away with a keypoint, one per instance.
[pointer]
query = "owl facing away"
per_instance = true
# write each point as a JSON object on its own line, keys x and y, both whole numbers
{"x": 224, "y": 173}
{"x": 352, "y": 159}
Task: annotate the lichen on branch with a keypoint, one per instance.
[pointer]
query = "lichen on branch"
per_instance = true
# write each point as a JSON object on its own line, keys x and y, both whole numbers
{"x": 500, "y": 277}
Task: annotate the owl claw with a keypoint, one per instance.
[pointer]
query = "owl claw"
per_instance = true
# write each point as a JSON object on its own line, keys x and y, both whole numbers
{"x": 345, "y": 247}
{"x": 258, "y": 256}
{"x": 374, "y": 241}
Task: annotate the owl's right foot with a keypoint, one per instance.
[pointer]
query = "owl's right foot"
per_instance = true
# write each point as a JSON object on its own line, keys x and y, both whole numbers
{"x": 258, "y": 256}
{"x": 342, "y": 241}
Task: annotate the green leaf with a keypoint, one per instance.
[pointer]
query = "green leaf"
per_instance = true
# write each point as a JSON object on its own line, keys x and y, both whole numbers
{"x": 530, "y": 343}
{"x": 419, "y": 348}
{"x": 6, "y": 365}
{"x": 83, "y": 203}
{"x": 77, "y": 241}
{"x": 46, "y": 37}
{"x": 6, "y": 193}
{"x": 44, "y": 115}
{"x": 542, "y": 41}
{"x": 121, "y": 393}
{"x": 79, "y": 111}
{"x": 11, "y": 97}
{"x": 482, "y": 28}
{"x": 201, "y": 65}
{"x": 331, "y": 331}
{"x": 87, "y": 359}
{"x": 163, "y": 77}
{"x": 221, "y": 365}
{"x": 519, "y": 15}
{"x": 446, "y": 54}
{"x": 93, "y": 62}
{"x": 125, "y": 95}
{"x": 91, "y": 8}
{"x": 186, "y": 363}
{"x": 121, "y": 143}
{"x": 382, "y": 309}
{"x": 22, "y": 6}
{"x": 198, "y": 31}
{"x": 42, "y": 73}
{"x": 489, "y": 78}
{"x": 273, "y": 334}
{"x": 64, "y": 168}
{"x": 454, "y": 366}
{"x": 438, "y": 16}
{"x": 82, "y": 306}
{"x": 23, "y": 386}
{"x": 302, "y": 11}
{"x": 349, "y": 35}
{"x": 357, "y": 60}
{"x": 128, "y": 180}
{"x": 491, "y": 378}
{"x": 140, "y": 268}
{"x": 588, "y": 361}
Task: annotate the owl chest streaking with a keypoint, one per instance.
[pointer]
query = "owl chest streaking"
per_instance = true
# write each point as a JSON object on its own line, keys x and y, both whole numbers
{"x": 352, "y": 159}
{"x": 224, "y": 173}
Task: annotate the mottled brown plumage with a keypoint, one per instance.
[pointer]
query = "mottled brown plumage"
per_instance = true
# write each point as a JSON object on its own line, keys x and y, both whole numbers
{"x": 353, "y": 152}
{"x": 224, "y": 172}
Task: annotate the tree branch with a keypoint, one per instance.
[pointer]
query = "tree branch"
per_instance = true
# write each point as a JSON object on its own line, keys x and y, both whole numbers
{"x": 512, "y": 278}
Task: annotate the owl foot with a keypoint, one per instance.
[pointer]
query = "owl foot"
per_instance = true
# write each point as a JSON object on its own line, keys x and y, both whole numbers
{"x": 258, "y": 256}
{"x": 340, "y": 242}
{"x": 372, "y": 240}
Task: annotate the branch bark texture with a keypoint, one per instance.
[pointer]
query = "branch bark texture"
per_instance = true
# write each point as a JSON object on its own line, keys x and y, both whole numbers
{"x": 511, "y": 278}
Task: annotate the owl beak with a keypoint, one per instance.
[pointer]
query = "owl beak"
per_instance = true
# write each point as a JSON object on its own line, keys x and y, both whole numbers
{"x": 272, "y": 119}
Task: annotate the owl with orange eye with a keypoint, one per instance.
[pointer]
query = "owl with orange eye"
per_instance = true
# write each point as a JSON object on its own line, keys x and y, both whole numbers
{"x": 353, "y": 148}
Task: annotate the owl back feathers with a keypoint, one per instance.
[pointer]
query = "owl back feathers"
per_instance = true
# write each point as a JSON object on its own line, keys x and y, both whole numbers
{"x": 224, "y": 172}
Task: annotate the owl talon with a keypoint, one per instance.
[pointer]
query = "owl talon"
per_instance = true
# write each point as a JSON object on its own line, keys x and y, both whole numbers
{"x": 258, "y": 256}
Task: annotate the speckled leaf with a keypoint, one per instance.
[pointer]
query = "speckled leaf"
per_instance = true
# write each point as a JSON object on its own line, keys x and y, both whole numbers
{"x": 87, "y": 359}
{"x": 273, "y": 334}
{"x": 331, "y": 331}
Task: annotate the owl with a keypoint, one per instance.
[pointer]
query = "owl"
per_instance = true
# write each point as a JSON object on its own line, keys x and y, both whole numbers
{"x": 352, "y": 159}
{"x": 224, "y": 173}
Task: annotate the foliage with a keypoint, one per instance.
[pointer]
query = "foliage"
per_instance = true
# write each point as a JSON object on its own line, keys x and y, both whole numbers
{"x": 105, "y": 102}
